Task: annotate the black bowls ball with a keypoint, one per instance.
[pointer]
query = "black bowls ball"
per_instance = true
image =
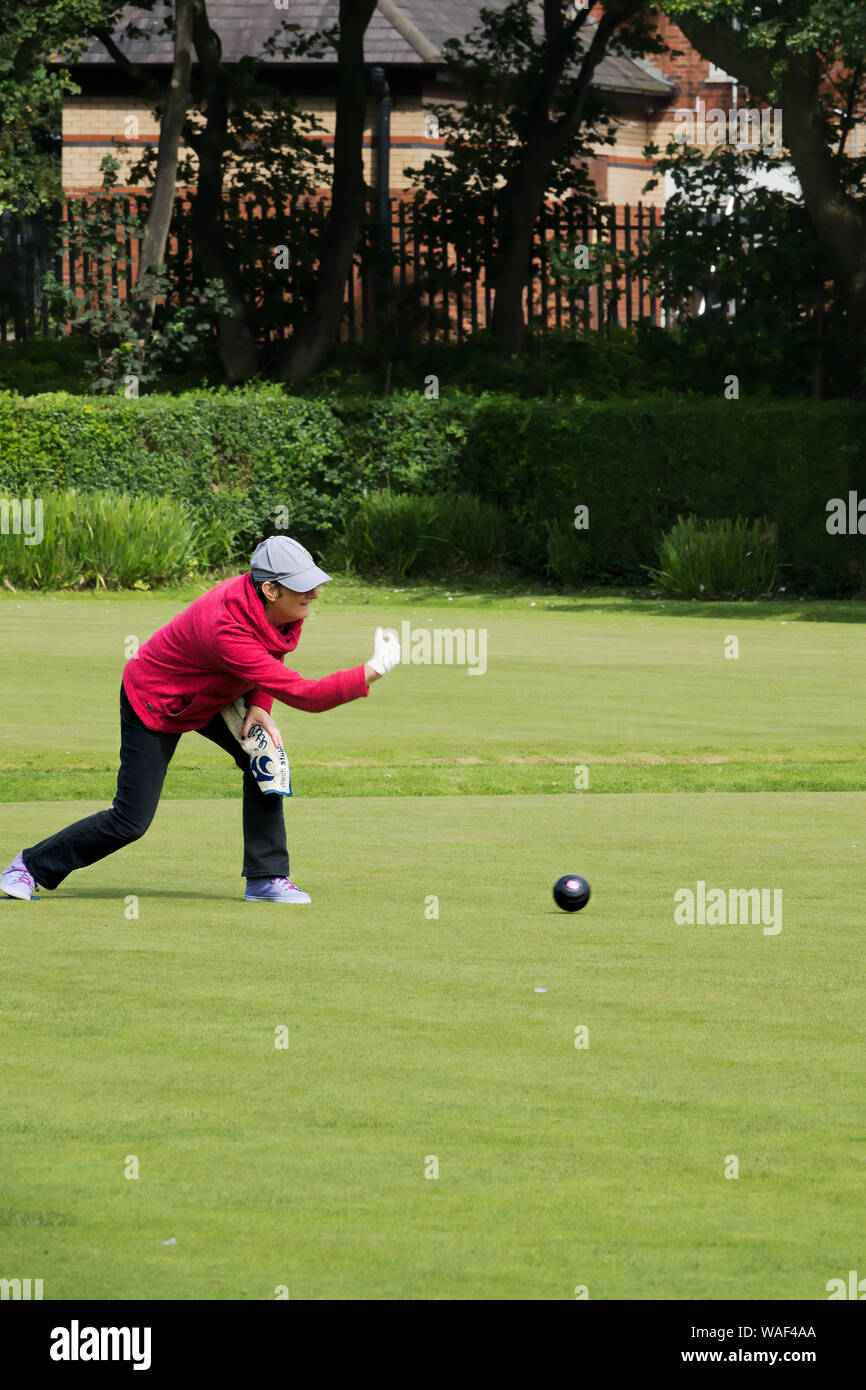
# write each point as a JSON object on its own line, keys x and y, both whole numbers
{"x": 571, "y": 892}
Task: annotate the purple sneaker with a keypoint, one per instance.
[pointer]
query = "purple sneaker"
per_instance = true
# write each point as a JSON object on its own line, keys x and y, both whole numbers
{"x": 274, "y": 890}
{"x": 16, "y": 882}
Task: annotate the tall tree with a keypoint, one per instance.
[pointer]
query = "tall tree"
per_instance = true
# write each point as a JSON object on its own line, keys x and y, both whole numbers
{"x": 32, "y": 90}
{"x": 165, "y": 182}
{"x": 807, "y": 57}
{"x": 240, "y": 136}
{"x": 209, "y": 140}
{"x": 531, "y": 118}
{"x": 472, "y": 198}
{"x": 237, "y": 345}
{"x": 311, "y": 342}
{"x": 556, "y": 91}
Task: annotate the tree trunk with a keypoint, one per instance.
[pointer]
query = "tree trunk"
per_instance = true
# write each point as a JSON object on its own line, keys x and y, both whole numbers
{"x": 236, "y": 343}
{"x": 165, "y": 184}
{"x": 839, "y": 220}
{"x": 313, "y": 338}
{"x": 520, "y": 201}
{"x": 520, "y": 206}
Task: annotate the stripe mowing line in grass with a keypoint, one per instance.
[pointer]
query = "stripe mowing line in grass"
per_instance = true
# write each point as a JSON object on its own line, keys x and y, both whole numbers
{"x": 845, "y": 773}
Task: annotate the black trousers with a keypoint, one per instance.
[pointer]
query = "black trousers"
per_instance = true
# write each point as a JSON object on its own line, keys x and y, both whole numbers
{"x": 144, "y": 760}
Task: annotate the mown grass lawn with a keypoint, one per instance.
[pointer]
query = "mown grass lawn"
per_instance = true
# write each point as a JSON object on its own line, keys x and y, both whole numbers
{"x": 432, "y": 992}
{"x": 412, "y": 1037}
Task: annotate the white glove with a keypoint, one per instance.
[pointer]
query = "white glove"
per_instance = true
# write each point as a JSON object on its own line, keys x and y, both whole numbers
{"x": 386, "y": 651}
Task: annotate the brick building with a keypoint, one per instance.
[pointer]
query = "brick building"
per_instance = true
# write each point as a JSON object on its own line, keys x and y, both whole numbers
{"x": 406, "y": 40}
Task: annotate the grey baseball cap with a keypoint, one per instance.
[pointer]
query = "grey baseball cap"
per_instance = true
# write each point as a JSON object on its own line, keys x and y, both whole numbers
{"x": 286, "y": 561}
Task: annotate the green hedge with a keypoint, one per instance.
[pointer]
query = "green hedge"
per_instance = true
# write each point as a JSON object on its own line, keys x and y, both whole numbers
{"x": 637, "y": 466}
{"x": 237, "y": 456}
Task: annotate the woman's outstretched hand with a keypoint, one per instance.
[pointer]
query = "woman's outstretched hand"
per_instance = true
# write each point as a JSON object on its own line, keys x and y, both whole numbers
{"x": 386, "y": 654}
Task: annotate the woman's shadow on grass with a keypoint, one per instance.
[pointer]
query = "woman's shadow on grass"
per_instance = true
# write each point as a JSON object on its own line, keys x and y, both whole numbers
{"x": 114, "y": 895}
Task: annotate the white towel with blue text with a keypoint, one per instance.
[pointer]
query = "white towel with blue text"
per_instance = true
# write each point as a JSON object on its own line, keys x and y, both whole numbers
{"x": 268, "y": 762}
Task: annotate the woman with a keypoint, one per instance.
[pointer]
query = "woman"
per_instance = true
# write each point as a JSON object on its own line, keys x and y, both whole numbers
{"x": 230, "y": 642}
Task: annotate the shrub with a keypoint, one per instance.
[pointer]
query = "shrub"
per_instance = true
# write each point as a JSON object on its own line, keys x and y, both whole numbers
{"x": 717, "y": 559}
{"x": 105, "y": 540}
{"x": 392, "y": 533}
{"x": 567, "y": 554}
{"x": 478, "y": 533}
{"x": 400, "y": 534}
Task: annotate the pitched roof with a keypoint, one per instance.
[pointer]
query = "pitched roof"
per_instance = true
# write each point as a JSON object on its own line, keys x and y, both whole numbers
{"x": 401, "y": 32}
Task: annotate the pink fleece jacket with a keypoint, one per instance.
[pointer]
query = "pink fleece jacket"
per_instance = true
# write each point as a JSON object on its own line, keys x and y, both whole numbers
{"x": 219, "y": 648}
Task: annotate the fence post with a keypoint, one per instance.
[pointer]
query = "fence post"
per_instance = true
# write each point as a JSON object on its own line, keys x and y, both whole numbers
{"x": 626, "y": 229}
